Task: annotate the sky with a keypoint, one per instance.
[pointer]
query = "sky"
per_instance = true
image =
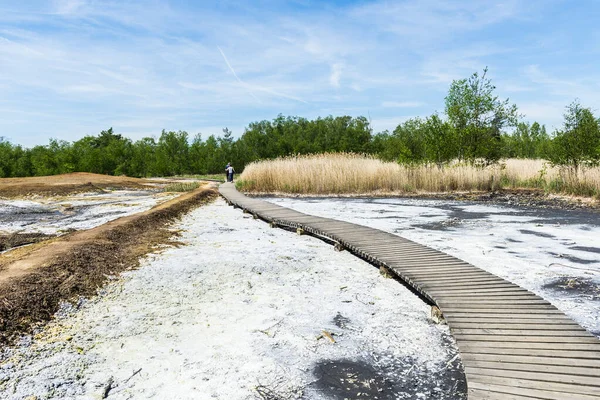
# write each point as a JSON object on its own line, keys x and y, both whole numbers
{"x": 70, "y": 68}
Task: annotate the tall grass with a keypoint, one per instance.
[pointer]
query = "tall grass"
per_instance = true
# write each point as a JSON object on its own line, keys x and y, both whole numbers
{"x": 343, "y": 173}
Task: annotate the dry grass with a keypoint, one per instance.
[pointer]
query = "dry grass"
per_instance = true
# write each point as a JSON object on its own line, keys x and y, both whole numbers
{"x": 182, "y": 187}
{"x": 359, "y": 174}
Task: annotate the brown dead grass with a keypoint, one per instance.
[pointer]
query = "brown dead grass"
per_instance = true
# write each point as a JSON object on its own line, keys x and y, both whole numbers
{"x": 76, "y": 182}
{"x": 20, "y": 239}
{"x": 35, "y": 279}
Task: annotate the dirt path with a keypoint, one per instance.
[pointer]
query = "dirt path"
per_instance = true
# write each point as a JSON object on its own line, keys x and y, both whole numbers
{"x": 241, "y": 311}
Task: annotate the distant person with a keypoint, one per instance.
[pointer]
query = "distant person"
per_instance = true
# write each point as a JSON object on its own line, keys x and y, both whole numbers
{"x": 230, "y": 172}
{"x": 227, "y": 172}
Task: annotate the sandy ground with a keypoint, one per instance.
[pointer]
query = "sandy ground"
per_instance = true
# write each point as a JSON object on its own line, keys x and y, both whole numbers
{"x": 59, "y": 214}
{"x": 554, "y": 253}
{"x": 76, "y": 182}
{"x": 242, "y": 311}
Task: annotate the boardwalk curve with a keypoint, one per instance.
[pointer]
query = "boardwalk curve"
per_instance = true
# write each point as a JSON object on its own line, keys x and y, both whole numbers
{"x": 513, "y": 344}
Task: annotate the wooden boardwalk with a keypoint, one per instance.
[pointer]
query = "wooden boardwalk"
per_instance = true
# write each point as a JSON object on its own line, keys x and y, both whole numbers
{"x": 513, "y": 344}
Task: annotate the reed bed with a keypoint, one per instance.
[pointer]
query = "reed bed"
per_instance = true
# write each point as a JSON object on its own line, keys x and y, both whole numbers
{"x": 342, "y": 173}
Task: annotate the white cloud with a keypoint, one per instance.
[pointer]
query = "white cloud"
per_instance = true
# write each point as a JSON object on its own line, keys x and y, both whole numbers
{"x": 67, "y": 7}
{"x": 159, "y": 62}
{"x": 336, "y": 74}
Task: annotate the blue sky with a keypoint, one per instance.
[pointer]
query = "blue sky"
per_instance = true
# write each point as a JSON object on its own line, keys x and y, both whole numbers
{"x": 74, "y": 67}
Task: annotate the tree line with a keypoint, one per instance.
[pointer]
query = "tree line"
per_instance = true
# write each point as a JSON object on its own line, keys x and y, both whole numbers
{"x": 476, "y": 128}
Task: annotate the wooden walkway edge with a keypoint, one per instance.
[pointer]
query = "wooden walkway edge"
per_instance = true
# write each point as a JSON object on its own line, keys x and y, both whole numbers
{"x": 514, "y": 345}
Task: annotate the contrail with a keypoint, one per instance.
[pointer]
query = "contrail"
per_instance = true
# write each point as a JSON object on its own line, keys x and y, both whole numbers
{"x": 237, "y": 77}
{"x": 262, "y": 89}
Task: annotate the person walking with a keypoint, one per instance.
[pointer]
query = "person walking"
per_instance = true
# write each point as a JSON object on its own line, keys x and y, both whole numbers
{"x": 230, "y": 171}
{"x": 227, "y": 172}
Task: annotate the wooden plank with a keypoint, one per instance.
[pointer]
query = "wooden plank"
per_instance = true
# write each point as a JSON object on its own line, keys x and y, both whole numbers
{"x": 554, "y": 369}
{"x": 529, "y": 345}
{"x": 482, "y": 290}
{"x": 463, "y": 283}
{"x": 459, "y": 278}
{"x": 436, "y": 276}
{"x": 544, "y": 327}
{"x": 565, "y": 388}
{"x": 447, "y": 268}
{"x": 496, "y": 303}
{"x": 566, "y": 378}
{"x": 514, "y": 298}
{"x": 478, "y": 394}
{"x": 533, "y": 339}
{"x": 531, "y": 360}
{"x": 530, "y": 393}
{"x": 531, "y": 352}
{"x": 521, "y": 332}
{"x": 523, "y": 322}
{"x": 449, "y": 312}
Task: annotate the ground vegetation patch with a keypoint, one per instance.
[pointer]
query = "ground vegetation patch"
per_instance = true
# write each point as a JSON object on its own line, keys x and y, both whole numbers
{"x": 21, "y": 239}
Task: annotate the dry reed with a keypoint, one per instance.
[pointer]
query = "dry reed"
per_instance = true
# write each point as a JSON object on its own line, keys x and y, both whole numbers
{"x": 343, "y": 173}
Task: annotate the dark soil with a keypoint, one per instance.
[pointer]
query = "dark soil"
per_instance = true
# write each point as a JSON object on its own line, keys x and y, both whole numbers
{"x": 575, "y": 286}
{"x": 512, "y": 197}
{"x": 517, "y": 197}
{"x": 538, "y": 234}
{"x": 383, "y": 376}
{"x": 29, "y": 300}
{"x": 21, "y": 239}
{"x": 393, "y": 379}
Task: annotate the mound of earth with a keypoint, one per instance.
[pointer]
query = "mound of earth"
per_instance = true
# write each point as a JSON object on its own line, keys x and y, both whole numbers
{"x": 76, "y": 182}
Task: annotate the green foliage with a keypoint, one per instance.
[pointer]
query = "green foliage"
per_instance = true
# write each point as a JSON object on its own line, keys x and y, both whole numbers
{"x": 578, "y": 143}
{"x": 172, "y": 154}
{"x": 478, "y": 117}
{"x": 527, "y": 141}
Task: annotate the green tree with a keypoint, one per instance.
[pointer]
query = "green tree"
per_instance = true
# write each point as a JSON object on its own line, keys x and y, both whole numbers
{"x": 440, "y": 140}
{"x": 172, "y": 153}
{"x": 478, "y": 116}
{"x": 578, "y": 143}
{"x": 143, "y": 162}
{"x": 409, "y": 141}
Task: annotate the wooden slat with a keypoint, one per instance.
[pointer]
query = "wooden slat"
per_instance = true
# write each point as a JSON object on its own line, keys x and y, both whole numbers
{"x": 553, "y": 369}
{"x": 560, "y": 387}
{"x": 528, "y": 393}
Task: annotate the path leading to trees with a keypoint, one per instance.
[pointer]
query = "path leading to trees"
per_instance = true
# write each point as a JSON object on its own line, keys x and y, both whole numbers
{"x": 514, "y": 344}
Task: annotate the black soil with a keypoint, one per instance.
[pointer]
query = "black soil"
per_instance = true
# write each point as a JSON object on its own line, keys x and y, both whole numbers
{"x": 575, "y": 286}
{"x": 393, "y": 379}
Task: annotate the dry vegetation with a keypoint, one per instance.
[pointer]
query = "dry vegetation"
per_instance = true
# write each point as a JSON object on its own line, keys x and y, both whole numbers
{"x": 181, "y": 187}
{"x": 359, "y": 174}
